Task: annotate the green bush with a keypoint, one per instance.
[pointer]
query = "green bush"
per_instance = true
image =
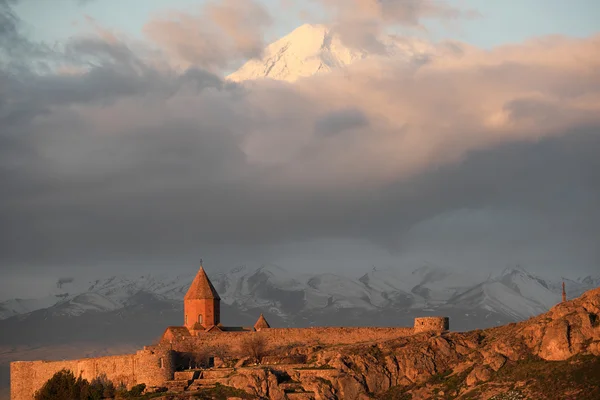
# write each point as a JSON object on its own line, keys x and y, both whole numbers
{"x": 64, "y": 386}
{"x": 101, "y": 388}
{"x": 137, "y": 390}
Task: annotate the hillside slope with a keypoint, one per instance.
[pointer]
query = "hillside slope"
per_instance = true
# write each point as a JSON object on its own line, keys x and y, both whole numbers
{"x": 554, "y": 356}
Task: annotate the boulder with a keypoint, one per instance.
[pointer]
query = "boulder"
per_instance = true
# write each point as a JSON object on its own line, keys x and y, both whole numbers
{"x": 494, "y": 360}
{"x": 480, "y": 373}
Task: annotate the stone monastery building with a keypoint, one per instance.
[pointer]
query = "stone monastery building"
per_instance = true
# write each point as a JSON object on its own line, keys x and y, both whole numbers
{"x": 167, "y": 363}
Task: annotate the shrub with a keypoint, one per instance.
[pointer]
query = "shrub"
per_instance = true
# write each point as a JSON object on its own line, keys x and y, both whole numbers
{"x": 64, "y": 386}
{"x": 137, "y": 390}
{"x": 254, "y": 346}
{"x": 219, "y": 350}
{"x": 101, "y": 388}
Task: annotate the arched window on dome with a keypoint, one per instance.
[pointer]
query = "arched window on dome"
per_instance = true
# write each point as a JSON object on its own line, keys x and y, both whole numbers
{"x": 199, "y": 318}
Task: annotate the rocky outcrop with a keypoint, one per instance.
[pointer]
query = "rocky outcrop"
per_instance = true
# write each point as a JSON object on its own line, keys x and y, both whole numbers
{"x": 480, "y": 373}
{"x": 568, "y": 329}
{"x": 450, "y": 363}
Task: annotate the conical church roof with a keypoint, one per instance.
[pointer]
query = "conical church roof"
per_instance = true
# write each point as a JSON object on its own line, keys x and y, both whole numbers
{"x": 261, "y": 323}
{"x": 201, "y": 288}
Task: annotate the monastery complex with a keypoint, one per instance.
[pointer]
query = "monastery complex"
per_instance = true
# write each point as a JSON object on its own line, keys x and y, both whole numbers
{"x": 167, "y": 364}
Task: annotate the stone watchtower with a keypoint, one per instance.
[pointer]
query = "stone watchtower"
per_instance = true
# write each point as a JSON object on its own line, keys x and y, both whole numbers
{"x": 201, "y": 304}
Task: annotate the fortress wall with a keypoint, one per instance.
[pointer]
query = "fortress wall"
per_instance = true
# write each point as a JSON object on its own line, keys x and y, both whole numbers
{"x": 285, "y": 336}
{"x": 26, "y": 377}
{"x": 333, "y": 335}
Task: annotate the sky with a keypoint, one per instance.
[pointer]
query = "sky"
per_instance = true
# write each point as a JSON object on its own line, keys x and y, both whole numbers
{"x": 123, "y": 149}
{"x": 496, "y": 23}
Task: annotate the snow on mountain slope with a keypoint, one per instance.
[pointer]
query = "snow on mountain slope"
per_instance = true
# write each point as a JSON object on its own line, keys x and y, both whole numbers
{"x": 75, "y": 297}
{"x": 86, "y": 302}
{"x": 120, "y": 288}
{"x": 316, "y": 49}
{"x": 514, "y": 293}
{"x": 389, "y": 280}
{"x": 269, "y": 287}
{"x": 339, "y": 292}
{"x": 437, "y": 285}
{"x": 575, "y": 287}
{"x": 242, "y": 282}
{"x": 529, "y": 286}
{"x": 497, "y": 297}
{"x": 424, "y": 286}
{"x": 590, "y": 281}
{"x": 24, "y": 306}
{"x": 61, "y": 291}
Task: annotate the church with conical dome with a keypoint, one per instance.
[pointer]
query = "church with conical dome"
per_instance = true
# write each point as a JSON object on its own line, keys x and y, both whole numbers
{"x": 202, "y": 311}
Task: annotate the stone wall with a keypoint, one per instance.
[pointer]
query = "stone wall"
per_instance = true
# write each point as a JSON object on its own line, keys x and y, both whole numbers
{"x": 146, "y": 366}
{"x": 425, "y": 324}
{"x": 277, "y": 337}
{"x": 156, "y": 364}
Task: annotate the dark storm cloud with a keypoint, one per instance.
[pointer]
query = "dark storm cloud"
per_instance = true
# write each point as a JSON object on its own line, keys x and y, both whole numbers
{"x": 114, "y": 159}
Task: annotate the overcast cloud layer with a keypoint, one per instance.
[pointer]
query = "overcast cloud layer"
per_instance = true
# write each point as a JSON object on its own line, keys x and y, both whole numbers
{"x": 117, "y": 153}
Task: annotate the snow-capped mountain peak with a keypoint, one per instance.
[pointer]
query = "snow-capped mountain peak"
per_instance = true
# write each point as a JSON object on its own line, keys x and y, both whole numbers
{"x": 316, "y": 49}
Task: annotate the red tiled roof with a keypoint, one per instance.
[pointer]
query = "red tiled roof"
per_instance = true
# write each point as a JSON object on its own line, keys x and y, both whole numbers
{"x": 261, "y": 323}
{"x": 201, "y": 288}
{"x": 176, "y": 331}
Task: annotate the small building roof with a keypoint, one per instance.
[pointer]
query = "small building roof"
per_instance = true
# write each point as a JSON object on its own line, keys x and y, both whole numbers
{"x": 175, "y": 333}
{"x": 261, "y": 323}
{"x": 198, "y": 327}
{"x": 201, "y": 288}
{"x": 236, "y": 328}
{"x": 213, "y": 328}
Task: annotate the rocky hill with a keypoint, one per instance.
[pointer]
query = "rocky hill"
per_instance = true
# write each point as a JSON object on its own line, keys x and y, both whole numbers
{"x": 555, "y": 355}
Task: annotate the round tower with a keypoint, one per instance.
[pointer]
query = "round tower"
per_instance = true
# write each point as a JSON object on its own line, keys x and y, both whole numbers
{"x": 154, "y": 366}
{"x": 436, "y": 324}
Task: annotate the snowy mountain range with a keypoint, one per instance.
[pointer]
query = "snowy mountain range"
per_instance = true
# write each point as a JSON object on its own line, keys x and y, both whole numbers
{"x": 317, "y": 49}
{"x": 514, "y": 294}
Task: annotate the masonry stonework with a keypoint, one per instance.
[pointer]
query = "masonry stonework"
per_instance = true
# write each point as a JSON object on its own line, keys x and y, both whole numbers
{"x": 155, "y": 365}
{"x": 426, "y": 324}
{"x": 277, "y": 337}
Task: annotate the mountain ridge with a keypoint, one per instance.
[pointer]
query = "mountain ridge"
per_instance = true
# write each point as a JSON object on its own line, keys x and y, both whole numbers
{"x": 514, "y": 293}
